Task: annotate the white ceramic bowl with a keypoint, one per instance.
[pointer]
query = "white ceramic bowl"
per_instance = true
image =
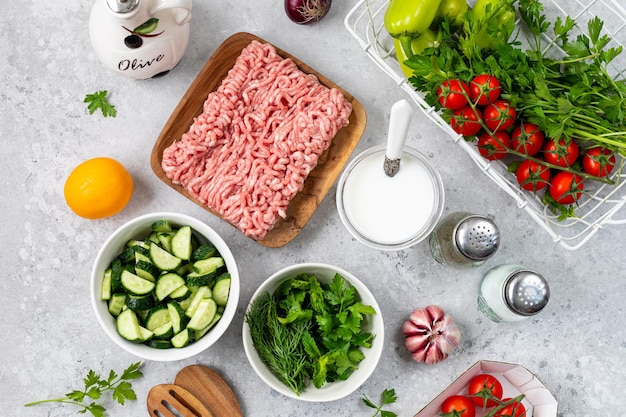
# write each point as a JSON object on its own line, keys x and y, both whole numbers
{"x": 374, "y": 324}
{"x": 140, "y": 227}
{"x": 390, "y": 213}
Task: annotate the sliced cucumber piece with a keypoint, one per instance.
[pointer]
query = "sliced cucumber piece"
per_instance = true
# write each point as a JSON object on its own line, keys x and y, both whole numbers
{"x": 164, "y": 260}
{"x": 153, "y": 237}
{"x": 161, "y": 226}
{"x": 180, "y": 293}
{"x": 127, "y": 255}
{"x": 128, "y": 326}
{"x": 182, "y": 339}
{"x": 157, "y": 316}
{"x": 201, "y": 294}
{"x": 105, "y": 288}
{"x": 145, "y": 269}
{"x": 208, "y": 265}
{"x": 181, "y": 243}
{"x": 140, "y": 256}
{"x": 204, "y": 314}
{"x": 198, "y": 334}
{"x": 136, "y": 285}
{"x": 204, "y": 251}
{"x": 165, "y": 240}
{"x": 116, "y": 275}
{"x": 116, "y": 303}
{"x": 166, "y": 284}
{"x": 159, "y": 344}
{"x": 177, "y": 316}
{"x": 145, "y": 334}
{"x": 221, "y": 289}
{"x": 140, "y": 303}
{"x": 164, "y": 331}
{"x": 195, "y": 279}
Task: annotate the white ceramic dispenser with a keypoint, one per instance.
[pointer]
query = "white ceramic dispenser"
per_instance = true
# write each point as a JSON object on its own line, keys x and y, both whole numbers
{"x": 140, "y": 38}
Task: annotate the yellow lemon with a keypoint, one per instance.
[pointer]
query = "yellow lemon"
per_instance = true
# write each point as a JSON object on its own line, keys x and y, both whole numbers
{"x": 98, "y": 188}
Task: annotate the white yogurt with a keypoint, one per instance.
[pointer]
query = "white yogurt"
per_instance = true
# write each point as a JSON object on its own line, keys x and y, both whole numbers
{"x": 391, "y": 210}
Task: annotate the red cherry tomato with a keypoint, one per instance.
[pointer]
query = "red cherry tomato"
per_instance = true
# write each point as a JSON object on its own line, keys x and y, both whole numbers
{"x": 458, "y": 406}
{"x": 560, "y": 152}
{"x": 515, "y": 409}
{"x": 532, "y": 176}
{"x": 465, "y": 121}
{"x": 494, "y": 147}
{"x": 566, "y": 188}
{"x": 485, "y": 390}
{"x": 598, "y": 162}
{"x": 484, "y": 89}
{"x": 499, "y": 115}
{"x": 452, "y": 94}
{"x": 527, "y": 139}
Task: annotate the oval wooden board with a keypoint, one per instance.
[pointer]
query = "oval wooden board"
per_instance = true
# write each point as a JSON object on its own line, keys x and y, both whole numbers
{"x": 319, "y": 181}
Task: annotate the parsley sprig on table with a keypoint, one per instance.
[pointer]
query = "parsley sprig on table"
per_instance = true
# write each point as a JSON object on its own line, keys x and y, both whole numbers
{"x": 98, "y": 100}
{"x": 310, "y": 331}
{"x": 95, "y": 386}
{"x": 388, "y": 397}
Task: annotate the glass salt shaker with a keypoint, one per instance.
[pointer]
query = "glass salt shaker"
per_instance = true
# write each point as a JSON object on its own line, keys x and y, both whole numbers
{"x": 464, "y": 240}
{"x": 511, "y": 292}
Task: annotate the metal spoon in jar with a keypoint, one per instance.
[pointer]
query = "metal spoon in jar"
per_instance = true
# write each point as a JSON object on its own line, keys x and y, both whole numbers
{"x": 397, "y": 206}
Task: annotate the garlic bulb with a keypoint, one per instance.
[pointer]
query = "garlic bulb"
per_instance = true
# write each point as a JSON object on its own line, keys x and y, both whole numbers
{"x": 430, "y": 334}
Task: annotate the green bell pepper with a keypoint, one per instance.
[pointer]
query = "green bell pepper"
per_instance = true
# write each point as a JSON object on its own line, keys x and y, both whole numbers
{"x": 497, "y": 21}
{"x": 454, "y": 9}
{"x": 418, "y": 44}
{"x": 407, "y": 19}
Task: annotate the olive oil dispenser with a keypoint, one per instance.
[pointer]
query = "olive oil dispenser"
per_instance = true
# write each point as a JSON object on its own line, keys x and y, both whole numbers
{"x": 140, "y": 38}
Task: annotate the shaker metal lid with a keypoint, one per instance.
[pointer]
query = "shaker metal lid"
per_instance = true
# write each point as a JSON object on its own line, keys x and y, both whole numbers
{"x": 122, "y": 6}
{"x": 477, "y": 237}
{"x": 526, "y": 292}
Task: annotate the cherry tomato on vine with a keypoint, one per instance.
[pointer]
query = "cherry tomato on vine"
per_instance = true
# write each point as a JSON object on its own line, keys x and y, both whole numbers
{"x": 566, "y": 187}
{"x": 452, "y": 94}
{"x": 527, "y": 139}
{"x": 485, "y": 390}
{"x": 465, "y": 121}
{"x": 560, "y": 152}
{"x": 484, "y": 89}
{"x": 458, "y": 405}
{"x": 598, "y": 161}
{"x": 494, "y": 147}
{"x": 499, "y": 115}
{"x": 532, "y": 176}
{"x": 515, "y": 409}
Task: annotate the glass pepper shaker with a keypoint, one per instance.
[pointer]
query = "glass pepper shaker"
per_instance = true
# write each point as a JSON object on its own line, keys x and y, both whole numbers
{"x": 464, "y": 240}
{"x": 511, "y": 292}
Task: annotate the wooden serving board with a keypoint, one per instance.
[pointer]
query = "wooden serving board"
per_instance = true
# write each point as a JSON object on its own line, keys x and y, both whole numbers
{"x": 319, "y": 181}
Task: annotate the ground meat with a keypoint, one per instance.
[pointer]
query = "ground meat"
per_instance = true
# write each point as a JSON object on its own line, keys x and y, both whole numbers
{"x": 259, "y": 136}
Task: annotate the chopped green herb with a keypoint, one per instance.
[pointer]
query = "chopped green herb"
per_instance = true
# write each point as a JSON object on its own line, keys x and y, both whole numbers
{"x": 388, "y": 397}
{"x": 98, "y": 100}
{"x": 95, "y": 386}
{"x": 308, "y": 331}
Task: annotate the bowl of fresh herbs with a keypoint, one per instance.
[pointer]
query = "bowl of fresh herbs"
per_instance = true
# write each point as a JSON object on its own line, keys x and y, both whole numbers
{"x": 313, "y": 332}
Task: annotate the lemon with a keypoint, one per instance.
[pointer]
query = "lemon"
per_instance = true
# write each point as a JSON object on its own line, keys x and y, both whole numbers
{"x": 98, "y": 188}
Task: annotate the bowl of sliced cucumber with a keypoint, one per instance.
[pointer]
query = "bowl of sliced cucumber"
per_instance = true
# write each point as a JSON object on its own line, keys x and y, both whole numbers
{"x": 164, "y": 286}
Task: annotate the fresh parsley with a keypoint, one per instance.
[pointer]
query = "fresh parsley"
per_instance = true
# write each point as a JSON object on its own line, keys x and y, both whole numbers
{"x": 308, "y": 331}
{"x": 388, "y": 397}
{"x": 569, "y": 95}
{"x": 98, "y": 100}
{"x": 95, "y": 386}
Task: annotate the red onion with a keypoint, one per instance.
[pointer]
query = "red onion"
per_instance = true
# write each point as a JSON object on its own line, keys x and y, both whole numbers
{"x": 305, "y": 12}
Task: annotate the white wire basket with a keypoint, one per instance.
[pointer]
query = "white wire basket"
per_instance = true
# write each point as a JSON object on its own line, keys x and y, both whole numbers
{"x": 600, "y": 204}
